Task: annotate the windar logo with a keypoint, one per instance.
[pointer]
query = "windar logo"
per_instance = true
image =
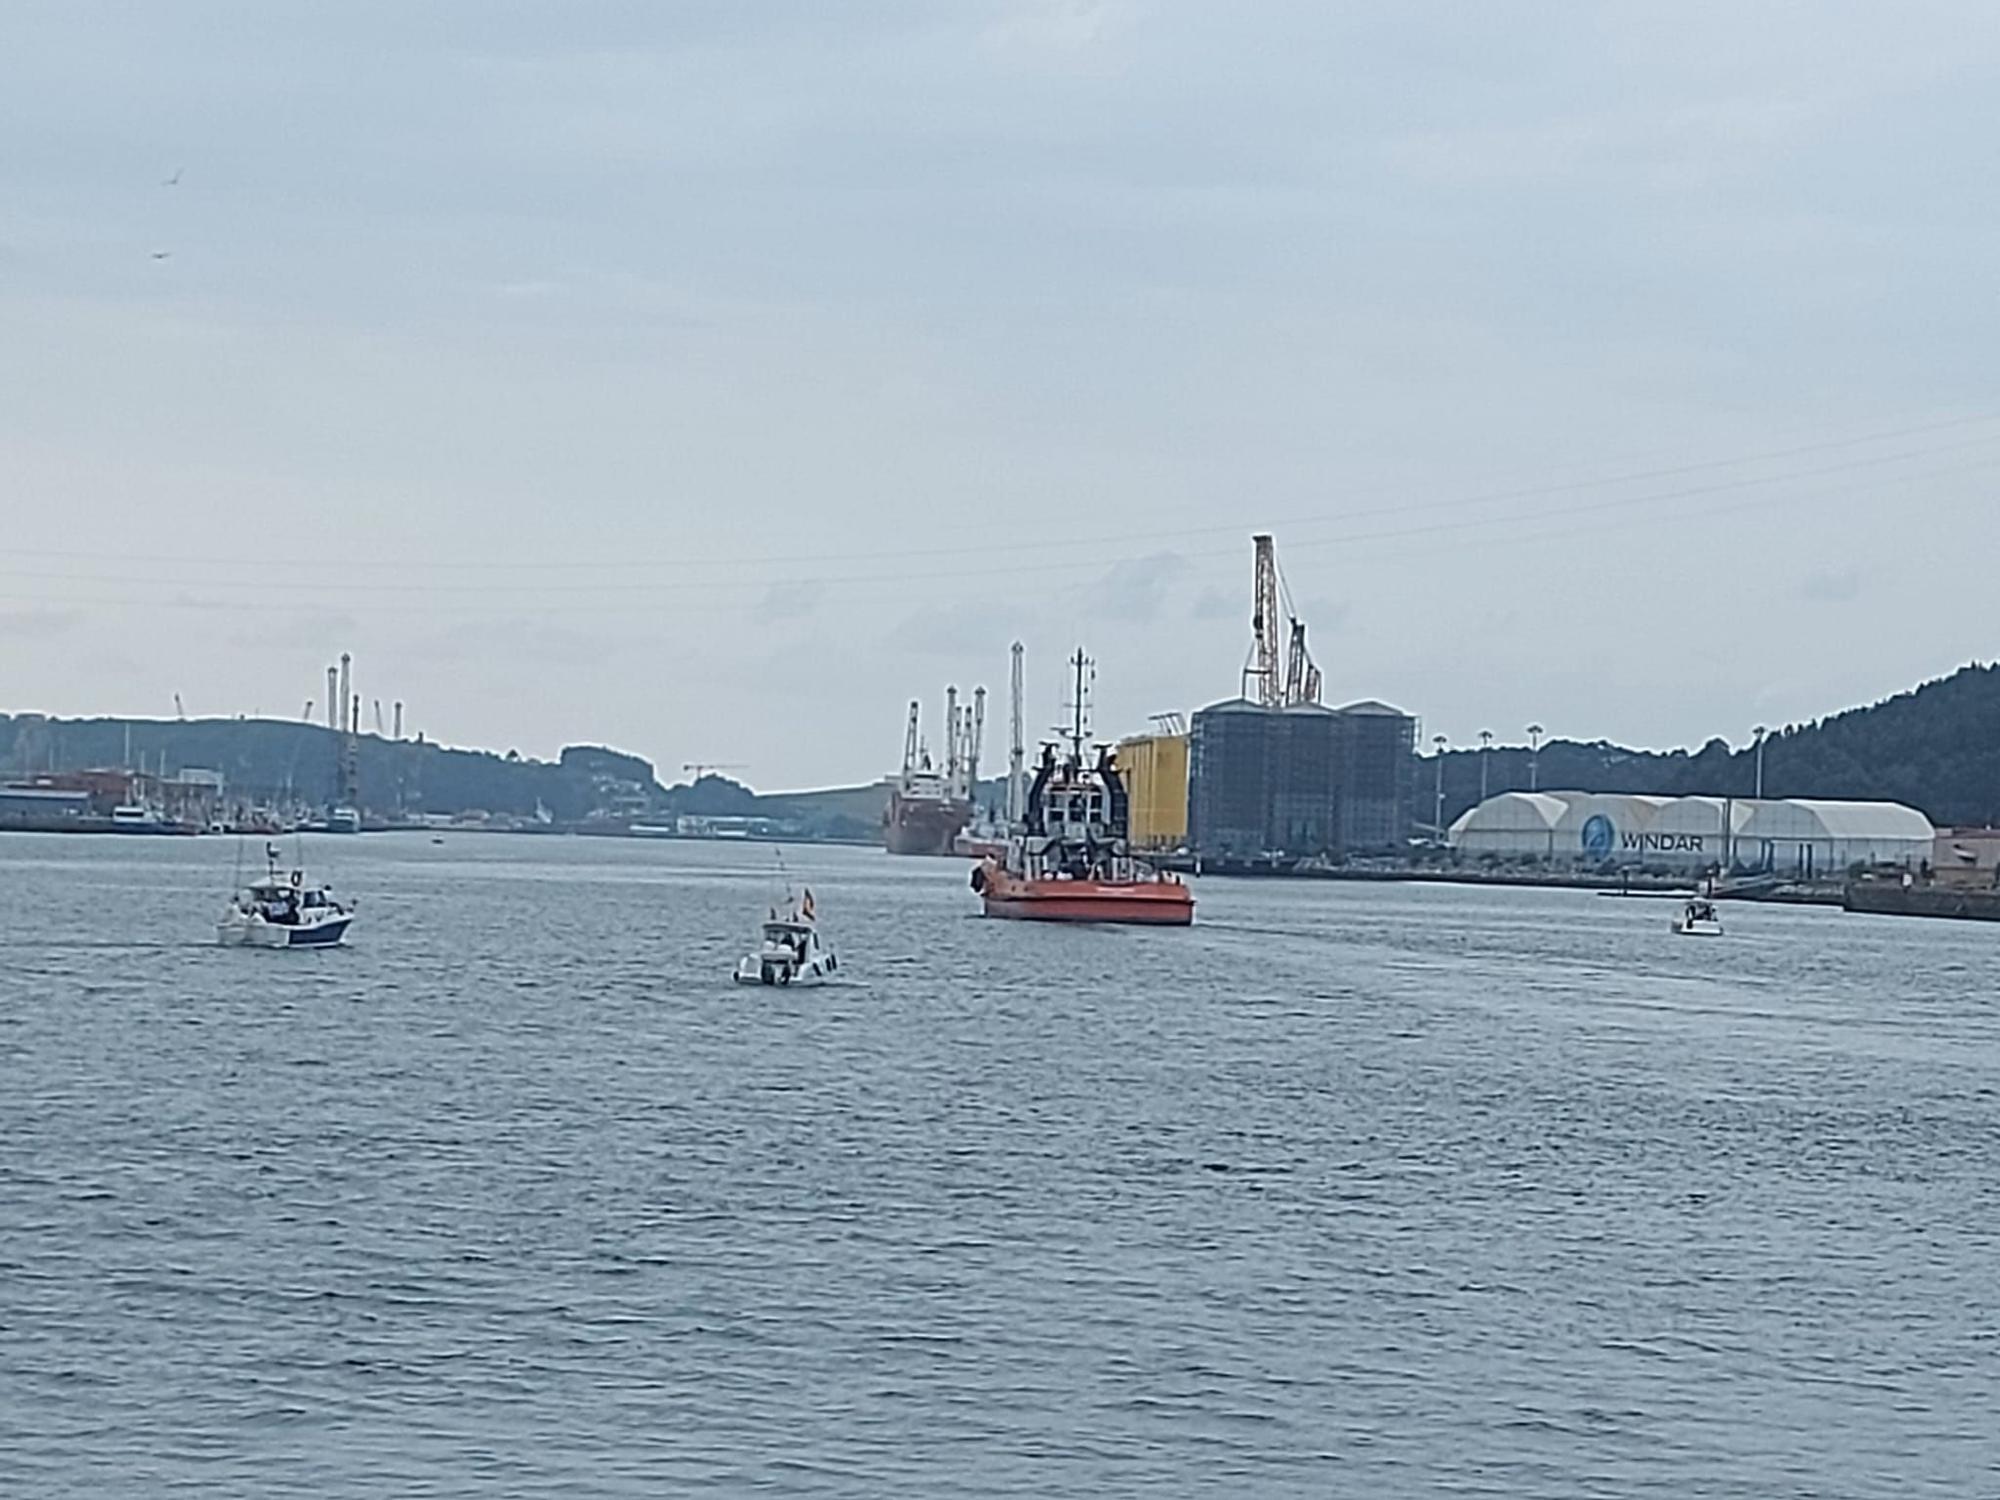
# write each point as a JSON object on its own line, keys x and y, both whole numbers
{"x": 1666, "y": 843}
{"x": 1599, "y": 835}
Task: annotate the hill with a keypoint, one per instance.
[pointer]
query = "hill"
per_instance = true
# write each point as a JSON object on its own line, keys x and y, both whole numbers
{"x": 1933, "y": 747}
{"x": 285, "y": 763}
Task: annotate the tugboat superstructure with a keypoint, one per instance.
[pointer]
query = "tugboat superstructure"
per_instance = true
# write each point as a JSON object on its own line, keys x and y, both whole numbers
{"x": 1070, "y": 859}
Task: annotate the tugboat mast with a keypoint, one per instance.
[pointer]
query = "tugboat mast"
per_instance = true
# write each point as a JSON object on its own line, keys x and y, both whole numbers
{"x": 1080, "y": 706}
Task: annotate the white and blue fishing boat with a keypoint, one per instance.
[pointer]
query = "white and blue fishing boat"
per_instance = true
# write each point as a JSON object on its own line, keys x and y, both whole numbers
{"x": 283, "y": 911}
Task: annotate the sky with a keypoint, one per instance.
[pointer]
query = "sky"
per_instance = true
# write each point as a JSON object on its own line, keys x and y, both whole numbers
{"x": 711, "y": 379}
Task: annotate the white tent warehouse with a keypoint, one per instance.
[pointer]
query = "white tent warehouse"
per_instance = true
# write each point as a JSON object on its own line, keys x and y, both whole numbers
{"x": 1792, "y": 837}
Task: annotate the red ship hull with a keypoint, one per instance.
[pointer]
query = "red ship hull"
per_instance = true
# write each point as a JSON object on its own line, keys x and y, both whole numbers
{"x": 924, "y": 825}
{"x": 1153, "y": 903}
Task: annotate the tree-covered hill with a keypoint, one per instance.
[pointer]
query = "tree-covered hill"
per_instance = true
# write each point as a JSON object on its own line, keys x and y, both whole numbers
{"x": 1936, "y": 747}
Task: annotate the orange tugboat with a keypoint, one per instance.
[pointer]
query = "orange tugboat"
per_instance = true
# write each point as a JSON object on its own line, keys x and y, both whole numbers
{"x": 1070, "y": 860}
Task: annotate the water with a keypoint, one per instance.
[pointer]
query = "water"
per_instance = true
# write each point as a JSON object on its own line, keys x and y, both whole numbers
{"x": 1347, "y": 1190}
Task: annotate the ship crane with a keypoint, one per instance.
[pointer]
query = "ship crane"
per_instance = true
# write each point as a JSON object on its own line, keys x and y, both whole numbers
{"x": 975, "y": 741}
{"x": 910, "y": 740}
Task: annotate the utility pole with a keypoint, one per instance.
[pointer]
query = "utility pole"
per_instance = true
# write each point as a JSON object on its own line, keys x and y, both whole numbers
{"x": 1485, "y": 755}
{"x": 1439, "y": 742}
{"x": 1759, "y": 732}
{"x": 1535, "y": 757}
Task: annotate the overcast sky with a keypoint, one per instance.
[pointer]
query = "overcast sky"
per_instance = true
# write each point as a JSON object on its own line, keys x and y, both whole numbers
{"x": 710, "y": 379}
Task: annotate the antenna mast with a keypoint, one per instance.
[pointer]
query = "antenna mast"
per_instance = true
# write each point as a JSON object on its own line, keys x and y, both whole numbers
{"x": 1080, "y": 707}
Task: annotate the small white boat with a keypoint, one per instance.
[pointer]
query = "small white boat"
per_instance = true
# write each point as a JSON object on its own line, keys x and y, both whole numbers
{"x": 1699, "y": 918}
{"x": 283, "y": 912}
{"x": 789, "y": 951}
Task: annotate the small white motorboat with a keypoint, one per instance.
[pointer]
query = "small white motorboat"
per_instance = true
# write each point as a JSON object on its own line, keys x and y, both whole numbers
{"x": 283, "y": 912}
{"x": 1699, "y": 918}
{"x": 789, "y": 952}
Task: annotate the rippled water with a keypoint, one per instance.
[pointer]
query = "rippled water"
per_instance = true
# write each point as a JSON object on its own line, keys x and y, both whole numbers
{"x": 1346, "y": 1191}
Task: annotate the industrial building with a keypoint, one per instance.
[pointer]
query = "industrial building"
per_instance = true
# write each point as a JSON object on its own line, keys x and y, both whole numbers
{"x": 1299, "y": 779}
{"x": 1793, "y": 837}
{"x": 1155, "y": 769}
{"x": 1378, "y": 778}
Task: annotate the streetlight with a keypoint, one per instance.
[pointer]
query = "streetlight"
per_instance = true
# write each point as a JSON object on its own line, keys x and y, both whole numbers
{"x": 1439, "y": 742}
{"x": 1759, "y": 732}
{"x": 1485, "y": 754}
{"x": 1535, "y": 733}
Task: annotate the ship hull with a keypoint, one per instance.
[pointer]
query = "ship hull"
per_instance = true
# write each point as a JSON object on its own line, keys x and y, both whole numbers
{"x": 925, "y": 826}
{"x": 1149, "y": 903}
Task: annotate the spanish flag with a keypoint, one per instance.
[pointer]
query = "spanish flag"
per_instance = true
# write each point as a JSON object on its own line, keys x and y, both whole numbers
{"x": 806, "y": 907}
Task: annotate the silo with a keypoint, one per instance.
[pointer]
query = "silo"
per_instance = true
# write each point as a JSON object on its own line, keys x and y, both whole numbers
{"x": 1230, "y": 754}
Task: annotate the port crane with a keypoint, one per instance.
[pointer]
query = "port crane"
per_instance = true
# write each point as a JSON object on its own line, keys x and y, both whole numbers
{"x": 1283, "y": 668}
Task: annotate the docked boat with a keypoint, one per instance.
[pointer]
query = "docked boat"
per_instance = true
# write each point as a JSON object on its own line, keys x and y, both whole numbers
{"x": 1699, "y": 918}
{"x": 929, "y": 804}
{"x": 789, "y": 950}
{"x": 282, "y": 911}
{"x": 1070, "y": 859}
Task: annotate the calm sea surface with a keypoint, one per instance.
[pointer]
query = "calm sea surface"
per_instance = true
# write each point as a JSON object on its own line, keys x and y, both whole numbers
{"x": 1346, "y": 1191}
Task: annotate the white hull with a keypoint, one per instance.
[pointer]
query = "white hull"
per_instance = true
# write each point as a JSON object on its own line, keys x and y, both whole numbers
{"x": 775, "y": 970}
{"x": 1698, "y": 929}
{"x": 238, "y": 930}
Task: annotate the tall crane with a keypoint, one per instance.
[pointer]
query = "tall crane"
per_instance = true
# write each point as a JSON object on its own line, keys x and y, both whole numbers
{"x": 1264, "y": 624}
{"x": 1284, "y": 670}
{"x": 1017, "y": 750}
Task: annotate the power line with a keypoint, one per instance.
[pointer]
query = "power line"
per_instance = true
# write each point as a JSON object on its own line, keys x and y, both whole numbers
{"x": 348, "y": 589}
{"x": 1322, "y": 518}
{"x": 657, "y": 607}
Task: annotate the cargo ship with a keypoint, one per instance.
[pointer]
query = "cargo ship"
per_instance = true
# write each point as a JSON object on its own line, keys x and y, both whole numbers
{"x": 1070, "y": 860}
{"x": 930, "y": 805}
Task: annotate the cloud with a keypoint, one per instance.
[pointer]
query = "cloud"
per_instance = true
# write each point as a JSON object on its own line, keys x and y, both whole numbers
{"x": 1831, "y": 585}
{"x": 37, "y": 624}
{"x": 793, "y": 601}
{"x": 1057, "y": 28}
{"x": 1216, "y": 604}
{"x": 503, "y": 641}
{"x": 949, "y": 630}
{"x": 1135, "y": 588}
{"x": 1324, "y": 617}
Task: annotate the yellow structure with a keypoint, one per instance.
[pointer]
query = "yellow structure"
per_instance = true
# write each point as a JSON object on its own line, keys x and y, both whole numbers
{"x": 1155, "y": 768}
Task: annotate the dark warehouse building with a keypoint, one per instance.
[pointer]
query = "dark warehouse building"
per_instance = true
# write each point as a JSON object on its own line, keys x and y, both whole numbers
{"x": 1299, "y": 780}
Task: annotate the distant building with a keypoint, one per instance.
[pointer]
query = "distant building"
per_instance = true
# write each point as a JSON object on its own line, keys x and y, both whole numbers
{"x": 1155, "y": 768}
{"x": 42, "y": 806}
{"x": 1967, "y": 858}
{"x": 1299, "y": 781}
{"x": 1794, "y": 837}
